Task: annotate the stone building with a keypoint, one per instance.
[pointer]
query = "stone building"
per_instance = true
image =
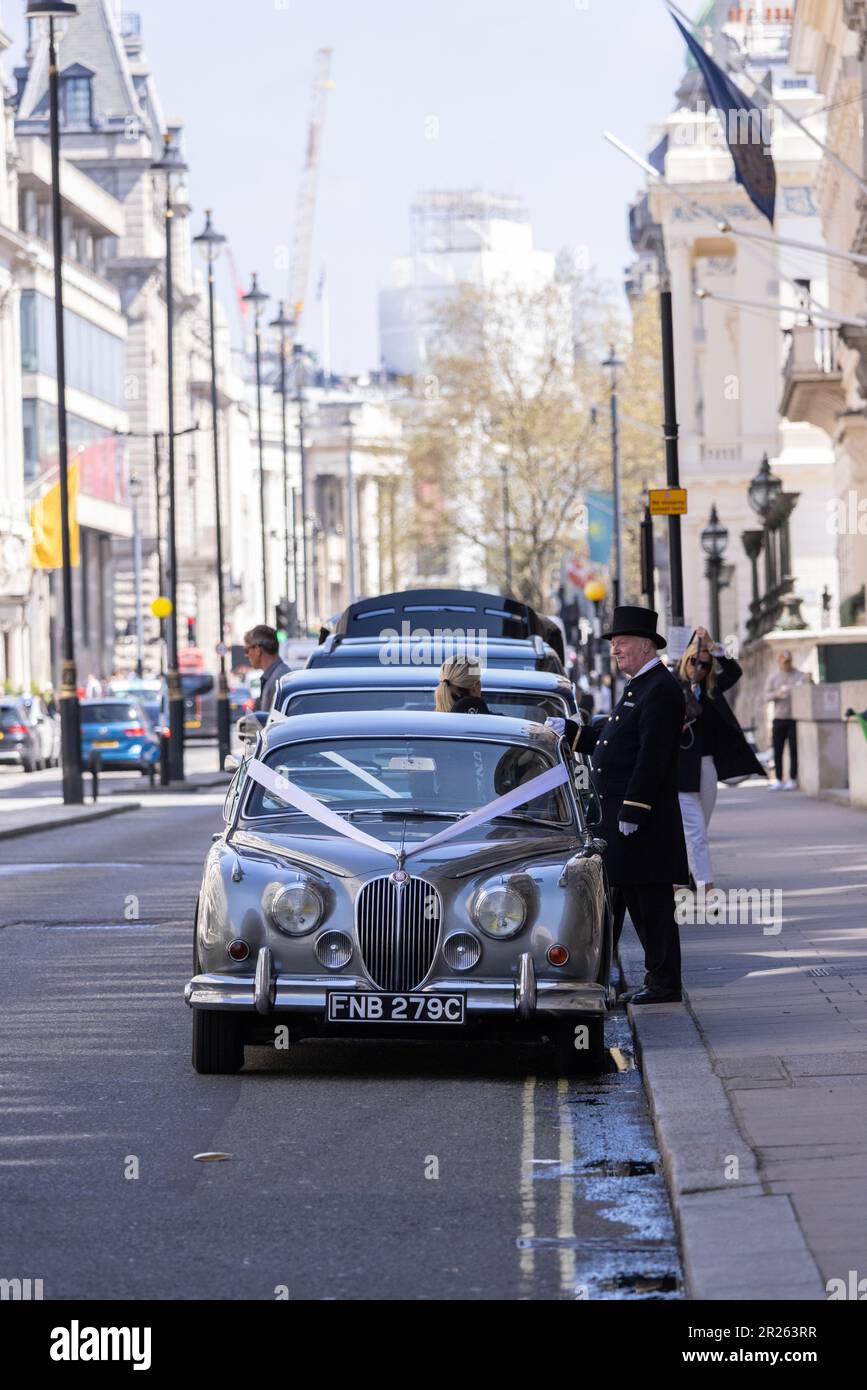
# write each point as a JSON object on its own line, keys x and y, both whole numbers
{"x": 736, "y": 304}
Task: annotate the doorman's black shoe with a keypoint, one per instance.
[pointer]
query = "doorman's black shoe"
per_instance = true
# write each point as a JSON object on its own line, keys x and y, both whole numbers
{"x": 656, "y": 996}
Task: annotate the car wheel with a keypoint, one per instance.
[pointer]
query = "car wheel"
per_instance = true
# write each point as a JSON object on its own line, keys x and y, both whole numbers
{"x": 29, "y": 765}
{"x": 580, "y": 1046}
{"x": 218, "y": 1042}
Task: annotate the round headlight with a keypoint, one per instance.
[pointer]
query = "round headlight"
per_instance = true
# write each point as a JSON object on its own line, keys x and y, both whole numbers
{"x": 296, "y": 909}
{"x": 500, "y": 912}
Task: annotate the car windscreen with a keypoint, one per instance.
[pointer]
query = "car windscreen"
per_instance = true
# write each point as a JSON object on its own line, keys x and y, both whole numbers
{"x": 394, "y": 773}
{"x": 12, "y": 714}
{"x": 515, "y": 704}
{"x": 117, "y": 712}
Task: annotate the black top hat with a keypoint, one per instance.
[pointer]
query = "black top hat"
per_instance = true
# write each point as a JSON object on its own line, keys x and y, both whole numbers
{"x": 635, "y": 622}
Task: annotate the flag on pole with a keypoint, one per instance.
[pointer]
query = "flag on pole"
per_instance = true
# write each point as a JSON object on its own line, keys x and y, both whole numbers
{"x": 744, "y": 122}
{"x": 46, "y": 548}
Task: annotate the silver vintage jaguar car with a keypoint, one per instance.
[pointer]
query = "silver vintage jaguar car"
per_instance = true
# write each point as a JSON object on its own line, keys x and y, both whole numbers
{"x": 382, "y": 873}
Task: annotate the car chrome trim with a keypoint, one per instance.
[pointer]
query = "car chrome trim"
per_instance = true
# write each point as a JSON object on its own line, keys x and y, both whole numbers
{"x": 525, "y": 988}
{"x": 308, "y": 994}
{"x": 264, "y": 985}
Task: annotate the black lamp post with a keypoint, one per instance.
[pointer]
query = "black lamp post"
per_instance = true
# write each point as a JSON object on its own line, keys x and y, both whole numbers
{"x": 170, "y": 165}
{"x": 283, "y": 323}
{"x": 350, "y": 508}
{"x": 210, "y": 243}
{"x": 763, "y": 493}
{"x": 714, "y": 539}
{"x": 613, "y": 362}
{"x": 752, "y": 542}
{"x": 258, "y": 298}
{"x": 70, "y": 714}
{"x": 298, "y": 357}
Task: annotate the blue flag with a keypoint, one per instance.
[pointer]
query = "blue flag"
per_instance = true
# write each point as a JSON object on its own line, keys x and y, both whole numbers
{"x": 600, "y": 526}
{"x": 744, "y": 123}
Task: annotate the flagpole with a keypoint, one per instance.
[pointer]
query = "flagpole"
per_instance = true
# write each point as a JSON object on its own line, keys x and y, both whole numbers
{"x": 774, "y": 306}
{"x": 853, "y": 256}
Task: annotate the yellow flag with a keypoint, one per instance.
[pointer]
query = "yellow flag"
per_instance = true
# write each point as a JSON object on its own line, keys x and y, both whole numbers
{"x": 46, "y": 550}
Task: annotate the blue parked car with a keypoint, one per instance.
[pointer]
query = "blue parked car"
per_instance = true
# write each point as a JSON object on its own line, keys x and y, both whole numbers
{"x": 120, "y": 732}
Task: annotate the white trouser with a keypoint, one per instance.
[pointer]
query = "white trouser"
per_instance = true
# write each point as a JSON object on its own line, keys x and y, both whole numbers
{"x": 696, "y": 809}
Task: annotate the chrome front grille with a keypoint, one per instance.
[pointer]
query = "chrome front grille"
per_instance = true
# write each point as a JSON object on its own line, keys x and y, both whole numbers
{"x": 398, "y": 926}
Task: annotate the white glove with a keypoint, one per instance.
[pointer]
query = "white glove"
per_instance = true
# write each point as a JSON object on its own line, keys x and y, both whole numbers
{"x": 626, "y": 827}
{"x": 558, "y": 725}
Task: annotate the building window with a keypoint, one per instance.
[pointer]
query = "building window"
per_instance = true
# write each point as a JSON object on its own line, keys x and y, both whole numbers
{"x": 95, "y": 359}
{"x": 76, "y": 96}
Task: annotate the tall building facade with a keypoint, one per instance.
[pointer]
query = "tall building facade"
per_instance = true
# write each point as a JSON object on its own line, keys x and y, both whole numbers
{"x": 737, "y": 304}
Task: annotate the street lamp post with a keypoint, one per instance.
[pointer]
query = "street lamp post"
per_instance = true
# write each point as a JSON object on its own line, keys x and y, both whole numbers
{"x": 298, "y": 357}
{"x": 752, "y": 544}
{"x": 171, "y": 164}
{"x": 350, "y": 509}
{"x": 612, "y": 362}
{"x": 210, "y": 243}
{"x": 135, "y": 492}
{"x": 594, "y": 592}
{"x": 670, "y": 435}
{"x": 70, "y": 714}
{"x": 283, "y": 323}
{"x": 714, "y": 539}
{"x": 258, "y": 298}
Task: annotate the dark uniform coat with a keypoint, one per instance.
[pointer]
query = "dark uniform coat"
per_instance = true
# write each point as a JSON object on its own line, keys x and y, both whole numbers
{"x": 634, "y": 768}
{"x": 715, "y": 732}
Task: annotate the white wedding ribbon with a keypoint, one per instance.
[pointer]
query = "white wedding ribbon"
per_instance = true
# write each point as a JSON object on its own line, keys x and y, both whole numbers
{"x": 287, "y": 791}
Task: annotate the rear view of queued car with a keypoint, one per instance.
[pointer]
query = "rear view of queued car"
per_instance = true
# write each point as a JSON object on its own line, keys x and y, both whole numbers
{"x": 119, "y": 733}
{"x": 19, "y": 742}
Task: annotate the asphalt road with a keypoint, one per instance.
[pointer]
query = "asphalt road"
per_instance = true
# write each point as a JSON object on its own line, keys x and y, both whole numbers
{"x": 393, "y": 1170}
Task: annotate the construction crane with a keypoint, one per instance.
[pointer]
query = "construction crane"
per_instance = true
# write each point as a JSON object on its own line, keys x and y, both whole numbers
{"x": 306, "y": 207}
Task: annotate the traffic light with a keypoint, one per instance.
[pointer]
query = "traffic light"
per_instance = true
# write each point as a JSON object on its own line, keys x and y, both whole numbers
{"x": 285, "y": 619}
{"x": 191, "y": 632}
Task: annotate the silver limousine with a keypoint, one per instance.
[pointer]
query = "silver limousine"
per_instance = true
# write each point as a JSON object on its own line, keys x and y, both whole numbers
{"x": 419, "y": 873}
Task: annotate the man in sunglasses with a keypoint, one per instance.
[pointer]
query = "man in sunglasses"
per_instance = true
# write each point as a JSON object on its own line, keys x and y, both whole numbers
{"x": 262, "y": 650}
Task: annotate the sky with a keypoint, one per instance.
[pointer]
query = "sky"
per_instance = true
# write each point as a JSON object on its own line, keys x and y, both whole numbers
{"x": 515, "y": 93}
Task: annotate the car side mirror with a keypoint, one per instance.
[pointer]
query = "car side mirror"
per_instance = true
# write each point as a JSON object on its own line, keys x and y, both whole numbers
{"x": 250, "y": 725}
{"x": 231, "y": 763}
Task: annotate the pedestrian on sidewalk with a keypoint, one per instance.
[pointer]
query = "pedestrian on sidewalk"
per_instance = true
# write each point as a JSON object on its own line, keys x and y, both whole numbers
{"x": 784, "y": 729}
{"x": 634, "y": 771}
{"x": 262, "y": 650}
{"x": 713, "y": 747}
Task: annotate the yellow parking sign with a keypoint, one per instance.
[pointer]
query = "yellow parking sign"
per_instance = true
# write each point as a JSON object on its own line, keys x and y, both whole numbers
{"x": 667, "y": 501}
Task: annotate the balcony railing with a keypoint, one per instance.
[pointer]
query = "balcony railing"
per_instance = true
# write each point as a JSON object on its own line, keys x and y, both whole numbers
{"x": 812, "y": 350}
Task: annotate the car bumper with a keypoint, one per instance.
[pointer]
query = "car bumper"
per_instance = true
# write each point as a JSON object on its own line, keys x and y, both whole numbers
{"x": 525, "y": 998}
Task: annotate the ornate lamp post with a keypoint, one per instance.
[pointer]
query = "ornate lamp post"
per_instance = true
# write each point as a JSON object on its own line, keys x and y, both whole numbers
{"x": 714, "y": 539}
{"x": 613, "y": 362}
{"x": 171, "y": 165}
{"x": 70, "y": 715}
{"x": 210, "y": 243}
{"x": 763, "y": 492}
{"x": 258, "y": 298}
{"x": 350, "y": 509}
{"x": 752, "y": 543}
{"x": 298, "y": 359}
{"x": 283, "y": 323}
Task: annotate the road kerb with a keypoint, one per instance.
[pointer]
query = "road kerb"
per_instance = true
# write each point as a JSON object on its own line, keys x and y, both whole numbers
{"x": 59, "y": 822}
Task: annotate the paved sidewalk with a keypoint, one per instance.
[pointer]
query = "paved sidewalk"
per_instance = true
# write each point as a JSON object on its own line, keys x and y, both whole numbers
{"x": 764, "y": 1073}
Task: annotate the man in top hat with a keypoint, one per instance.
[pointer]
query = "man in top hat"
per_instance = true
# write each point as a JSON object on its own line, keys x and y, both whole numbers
{"x": 634, "y": 766}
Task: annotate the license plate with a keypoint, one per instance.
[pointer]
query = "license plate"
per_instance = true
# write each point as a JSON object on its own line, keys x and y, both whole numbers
{"x": 395, "y": 1008}
{"x": 111, "y": 743}
{"x": 193, "y": 724}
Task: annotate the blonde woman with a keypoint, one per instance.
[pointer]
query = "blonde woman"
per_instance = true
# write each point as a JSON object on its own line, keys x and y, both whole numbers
{"x": 460, "y": 687}
{"x": 712, "y": 748}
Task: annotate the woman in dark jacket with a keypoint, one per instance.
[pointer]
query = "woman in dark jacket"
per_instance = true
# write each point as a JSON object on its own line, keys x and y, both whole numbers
{"x": 713, "y": 748}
